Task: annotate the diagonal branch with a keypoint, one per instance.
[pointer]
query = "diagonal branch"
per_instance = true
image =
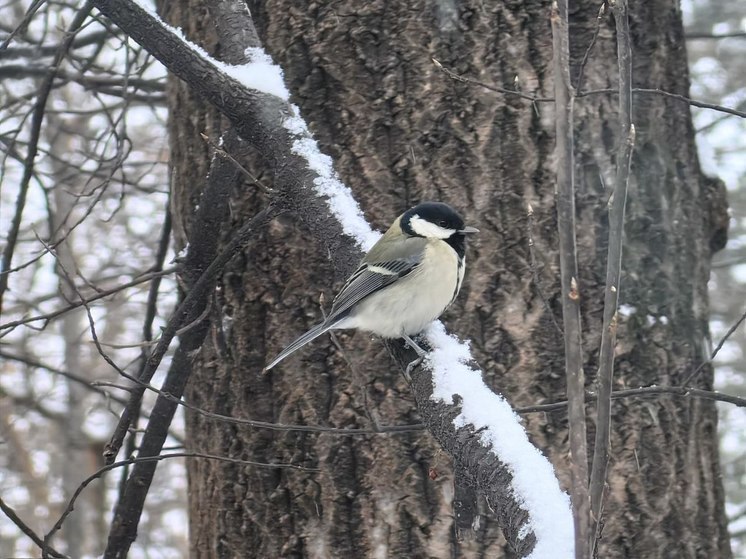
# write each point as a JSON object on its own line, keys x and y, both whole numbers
{"x": 26, "y": 529}
{"x": 150, "y": 314}
{"x": 715, "y": 351}
{"x": 129, "y": 508}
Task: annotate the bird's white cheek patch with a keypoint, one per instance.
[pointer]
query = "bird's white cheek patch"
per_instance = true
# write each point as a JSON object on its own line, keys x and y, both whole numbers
{"x": 428, "y": 229}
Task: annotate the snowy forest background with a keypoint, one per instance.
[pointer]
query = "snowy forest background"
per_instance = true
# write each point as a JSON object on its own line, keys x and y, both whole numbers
{"x": 101, "y": 184}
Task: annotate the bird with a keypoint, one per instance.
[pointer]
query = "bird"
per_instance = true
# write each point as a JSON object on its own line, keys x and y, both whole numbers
{"x": 405, "y": 281}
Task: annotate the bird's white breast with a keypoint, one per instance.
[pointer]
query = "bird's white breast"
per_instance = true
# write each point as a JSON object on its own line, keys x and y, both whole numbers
{"x": 411, "y": 303}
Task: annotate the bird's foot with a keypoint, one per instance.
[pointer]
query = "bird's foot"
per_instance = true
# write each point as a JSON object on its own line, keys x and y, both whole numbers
{"x": 420, "y": 352}
{"x": 412, "y": 366}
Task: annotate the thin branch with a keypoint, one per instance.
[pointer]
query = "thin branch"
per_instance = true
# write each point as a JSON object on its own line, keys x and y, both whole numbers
{"x": 682, "y": 391}
{"x": 583, "y": 94}
{"x": 68, "y": 375}
{"x": 594, "y": 38}
{"x": 37, "y": 51}
{"x": 22, "y": 27}
{"x": 248, "y": 174}
{"x": 737, "y": 515}
{"x": 98, "y": 83}
{"x": 694, "y": 35}
{"x": 95, "y": 386}
{"x": 717, "y": 349}
{"x": 676, "y": 96}
{"x": 495, "y": 88}
{"x": 153, "y": 459}
{"x": 617, "y": 204}
{"x": 564, "y": 150}
{"x": 102, "y": 294}
{"x": 147, "y": 333}
{"x": 26, "y": 529}
{"x": 281, "y": 427}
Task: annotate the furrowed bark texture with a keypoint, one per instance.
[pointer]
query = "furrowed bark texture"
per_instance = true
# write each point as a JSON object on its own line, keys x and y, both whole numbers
{"x": 400, "y": 131}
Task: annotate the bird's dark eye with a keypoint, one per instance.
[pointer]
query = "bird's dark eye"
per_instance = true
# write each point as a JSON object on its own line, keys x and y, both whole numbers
{"x": 442, "y": 223}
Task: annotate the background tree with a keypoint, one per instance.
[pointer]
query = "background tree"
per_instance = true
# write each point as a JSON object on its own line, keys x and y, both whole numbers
{"x": 716, "y": 46}
{"x": 90, "y": 212}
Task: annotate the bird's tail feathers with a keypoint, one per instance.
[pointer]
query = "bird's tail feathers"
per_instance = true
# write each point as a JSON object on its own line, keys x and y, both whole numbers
{"x": 309, "y": 336}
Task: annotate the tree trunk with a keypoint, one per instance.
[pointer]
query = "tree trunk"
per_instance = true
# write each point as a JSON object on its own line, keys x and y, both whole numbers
{"x": 401, "y": 131}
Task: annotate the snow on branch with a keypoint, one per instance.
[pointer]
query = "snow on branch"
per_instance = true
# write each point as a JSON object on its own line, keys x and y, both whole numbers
{"x": 476, "y": 426}
{"x": 500, "y": 429}
{"x": 260, "y": 74}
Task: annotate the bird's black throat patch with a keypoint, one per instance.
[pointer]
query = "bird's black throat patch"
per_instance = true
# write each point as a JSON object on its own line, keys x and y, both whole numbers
{"x": 457, "y": 241}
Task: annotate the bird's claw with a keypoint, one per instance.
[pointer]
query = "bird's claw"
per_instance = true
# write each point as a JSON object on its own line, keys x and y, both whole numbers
{"x": 411, "y": 343}
{"x": 412, "y": 366}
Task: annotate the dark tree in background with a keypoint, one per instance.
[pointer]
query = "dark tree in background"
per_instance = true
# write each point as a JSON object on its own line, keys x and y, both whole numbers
{"x": 401, "y": 131}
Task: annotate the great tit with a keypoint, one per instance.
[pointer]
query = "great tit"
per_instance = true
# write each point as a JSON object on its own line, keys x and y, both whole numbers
{"x": 409, "y": 277}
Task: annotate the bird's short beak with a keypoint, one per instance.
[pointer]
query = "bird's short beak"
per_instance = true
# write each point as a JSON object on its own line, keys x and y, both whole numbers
{"x": 469, "y": 229}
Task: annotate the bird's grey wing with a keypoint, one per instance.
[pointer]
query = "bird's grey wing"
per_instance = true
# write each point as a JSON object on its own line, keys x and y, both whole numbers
{"x": 369, "y": 278}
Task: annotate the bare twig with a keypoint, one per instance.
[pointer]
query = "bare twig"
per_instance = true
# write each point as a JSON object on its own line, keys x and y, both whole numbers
{"x": 682, "y": 391}
{"x": 152, "y": 459}
{"x": 583, "y": 94}
{"x": 735, "y": 34}
{"x": 717, "y": 349}
{"x": 248, "y": 174}
{"x": 23, "y": 25}
{"x": 676, "y": 96}
{"x": 34, "y": 134}
{"x": 102, "y": 294}
{"x": 26, "y": 529}
{"x": 617, "y": 204}
{"x": 102, "y": 84}
{"x": 197, "y": 321}
{"x": 495, "y": 88}
{"x": 37, "y": 51}
{"x": 281, "y": 427}
{"x": 68, "y": 375}
{"x": 564, "y": 96}
{"x": 594, "y": 38}
{"x": 147, "y": 332}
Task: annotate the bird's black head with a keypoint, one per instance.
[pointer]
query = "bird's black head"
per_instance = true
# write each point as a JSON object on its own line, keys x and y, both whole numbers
{"x": 436, "y": 220}
{"x": 431, "y": 219}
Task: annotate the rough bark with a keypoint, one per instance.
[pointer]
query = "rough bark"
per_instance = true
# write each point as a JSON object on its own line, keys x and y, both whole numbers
{"x": 400, "y": 131}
